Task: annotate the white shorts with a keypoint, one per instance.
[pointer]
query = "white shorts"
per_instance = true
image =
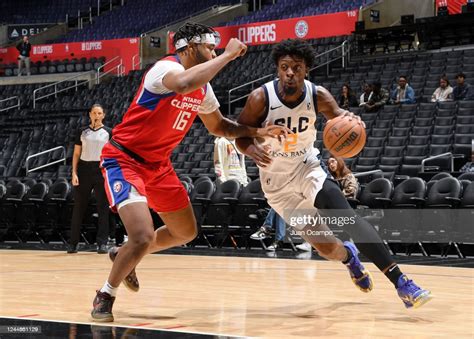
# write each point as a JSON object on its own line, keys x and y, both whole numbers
{"x": 133, "y": 197}
{"x": 294, "y": 196}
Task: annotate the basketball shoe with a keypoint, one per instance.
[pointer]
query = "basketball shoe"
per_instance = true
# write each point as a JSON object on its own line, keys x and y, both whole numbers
{"x": 411, "y": 294}
{"x": 102, "y": 307}
{"x": 359, "y": 275}
{"x": 131, "y": 280}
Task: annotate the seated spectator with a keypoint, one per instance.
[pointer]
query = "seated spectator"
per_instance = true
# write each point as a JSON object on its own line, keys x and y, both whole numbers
{"x": 404, "y": 93}
{"x": 273, "y": 220}
{"x": 365, "y": 97}
{"x": 229, "y": 163}
{"x": 444, "y": 92}
{"x": 347, "y": 98}
{"x": 343, "y": 175}
{"x": 460, "y": 92}
{"x": 378, "y": 98}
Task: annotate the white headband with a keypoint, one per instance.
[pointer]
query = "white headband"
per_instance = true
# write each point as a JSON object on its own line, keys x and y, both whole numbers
{"x": 206, "y": 38}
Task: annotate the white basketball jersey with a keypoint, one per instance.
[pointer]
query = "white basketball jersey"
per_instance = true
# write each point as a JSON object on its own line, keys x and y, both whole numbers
{"x": 300, "y": 118}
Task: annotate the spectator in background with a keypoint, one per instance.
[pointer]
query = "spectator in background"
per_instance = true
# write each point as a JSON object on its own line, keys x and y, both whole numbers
{"x": 366, "y": 95}
{"x": 404, "y": 93}
{"x": 273, "y": 220}
{"x": 378, "y": 98}
{"x": 347, "y": 98}
{"x": 24, "y": 47}
{"x": 229, "y": 163}
{"x": 86, "y": 176}
{"x": 460, "y": 92}
{"x": 343, "y": 175}
{"x": 444, "y": 92}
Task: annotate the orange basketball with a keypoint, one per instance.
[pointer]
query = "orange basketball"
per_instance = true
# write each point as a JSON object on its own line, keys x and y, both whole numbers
{"x": 344, "y": 138}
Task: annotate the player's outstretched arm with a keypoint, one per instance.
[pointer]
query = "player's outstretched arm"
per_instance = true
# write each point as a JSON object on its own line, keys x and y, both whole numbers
{"x": 220, "y": 126}
{"x": 197, "y": 76}
{"x": 329, "y": 107}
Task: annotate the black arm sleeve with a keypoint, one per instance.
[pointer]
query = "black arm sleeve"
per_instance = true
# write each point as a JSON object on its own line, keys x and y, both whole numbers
{"x": 77, "y": 139}
{"x": 109, "y": 130}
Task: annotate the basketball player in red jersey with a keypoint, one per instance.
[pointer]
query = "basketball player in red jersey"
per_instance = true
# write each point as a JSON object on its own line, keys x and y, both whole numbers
{"x": 136, "y": 164}
{"x": 296, "y": 182}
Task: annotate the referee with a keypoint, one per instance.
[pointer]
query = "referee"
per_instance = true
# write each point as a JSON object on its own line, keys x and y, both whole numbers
{"x": 86, "y": 175}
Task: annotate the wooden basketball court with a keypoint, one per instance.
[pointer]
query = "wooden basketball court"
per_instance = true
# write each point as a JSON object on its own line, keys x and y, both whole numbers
{"x": 234, "y": 296}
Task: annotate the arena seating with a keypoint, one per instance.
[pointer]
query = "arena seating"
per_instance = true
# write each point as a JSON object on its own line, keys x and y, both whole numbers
{"x": 284, "y": 9}
{"x": 147, "y": 15}
{"x": 399, "y": 138}
{"x": 41, "y": 210}
{"x": 258, "y": 63}
{"x": 43, "y": 11}
{"x": 57, "y": 66}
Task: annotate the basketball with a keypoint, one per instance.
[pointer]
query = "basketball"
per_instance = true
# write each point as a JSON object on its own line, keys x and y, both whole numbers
{"x": 343, "y": 137}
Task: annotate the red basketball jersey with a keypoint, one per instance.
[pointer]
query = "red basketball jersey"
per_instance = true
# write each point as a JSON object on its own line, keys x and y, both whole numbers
{"x": 158, "y": 119}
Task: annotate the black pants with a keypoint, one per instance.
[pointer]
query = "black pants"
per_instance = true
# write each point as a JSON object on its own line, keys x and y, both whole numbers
{"x": 90, "y": 178}
{"x": 332, "y": 203}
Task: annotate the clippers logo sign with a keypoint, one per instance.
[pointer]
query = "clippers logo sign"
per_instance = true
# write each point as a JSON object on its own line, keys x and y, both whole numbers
{"x": 258, "y": 34}
{"x": 91, "y": 46}
{"x": 301, "y": 29}
{"x": 270, "y": 32}
{"x": 15, "y": 32}
{"x": 40, "y": 50}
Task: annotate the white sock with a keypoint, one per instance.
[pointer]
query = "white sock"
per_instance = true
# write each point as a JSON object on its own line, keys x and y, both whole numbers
{"x": 107, "y": 288}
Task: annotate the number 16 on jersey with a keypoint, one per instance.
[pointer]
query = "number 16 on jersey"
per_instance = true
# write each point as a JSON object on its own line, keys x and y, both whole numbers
{"x": 181, "y": 120}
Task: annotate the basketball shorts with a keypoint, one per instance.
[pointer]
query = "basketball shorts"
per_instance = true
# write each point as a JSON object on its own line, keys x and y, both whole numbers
{"x": 128, "y": 181}
{"x": 294, "y": 196}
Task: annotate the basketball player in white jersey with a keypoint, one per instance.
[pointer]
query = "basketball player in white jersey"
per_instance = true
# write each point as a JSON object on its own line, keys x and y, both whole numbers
{"x": 295, "y": 180}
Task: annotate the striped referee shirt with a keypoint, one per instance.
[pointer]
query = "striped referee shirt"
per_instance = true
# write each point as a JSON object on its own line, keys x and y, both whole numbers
{"x": 92, "y": 141}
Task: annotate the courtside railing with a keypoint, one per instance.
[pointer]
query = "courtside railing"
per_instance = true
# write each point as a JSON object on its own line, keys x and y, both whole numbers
{"x": 363, "y": 174}
{"x": 63, "y": 159}
{"x": 16, "y": 105}
{"x": 118, "y": 68}
{"x": 135, "y": 64}
{"x": 443, "y": 155}
{"x": 77, "y": 82}
{"x": 323, "y": 59}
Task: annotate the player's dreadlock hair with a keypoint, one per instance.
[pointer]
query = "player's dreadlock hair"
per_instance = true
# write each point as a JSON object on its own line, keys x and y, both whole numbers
{"x": 190, "y": 30}
{"x": 295, "y": 48}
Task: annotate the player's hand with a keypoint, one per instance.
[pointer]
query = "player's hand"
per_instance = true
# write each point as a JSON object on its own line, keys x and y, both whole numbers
{"x": 351, "y": 116}
{"x": 235, "y": 48}
{"x": 274, "y": 131}
{"x": 75, "y": 180}
{"x": 259, "y": 154}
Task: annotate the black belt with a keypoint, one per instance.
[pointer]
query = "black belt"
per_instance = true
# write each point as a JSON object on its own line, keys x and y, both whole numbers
{"x": 127, "y": 151}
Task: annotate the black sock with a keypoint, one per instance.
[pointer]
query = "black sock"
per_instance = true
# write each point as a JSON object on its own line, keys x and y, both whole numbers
{"x": 331, "y": 202}
{"x": 393, "y": 274}
{"x": 349, "y": 257}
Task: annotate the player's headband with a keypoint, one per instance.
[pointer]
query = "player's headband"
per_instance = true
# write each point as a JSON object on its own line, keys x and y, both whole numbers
{"x": 206, "y": 38}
